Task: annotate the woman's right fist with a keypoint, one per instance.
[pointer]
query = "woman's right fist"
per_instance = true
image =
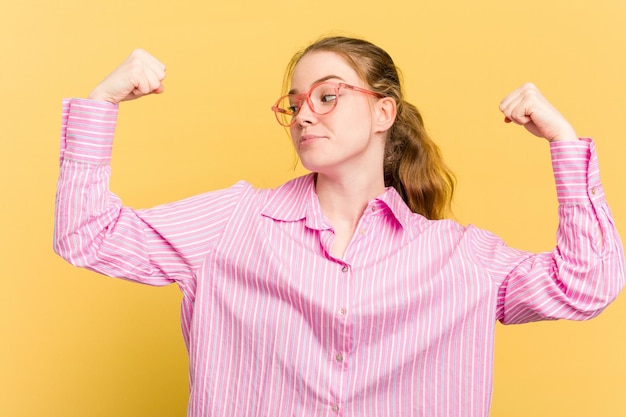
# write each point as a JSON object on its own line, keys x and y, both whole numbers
{"x": 140, "y": 74}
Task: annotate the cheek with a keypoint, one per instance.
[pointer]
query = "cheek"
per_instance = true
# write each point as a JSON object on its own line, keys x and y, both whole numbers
{"x": 359, "y": 111}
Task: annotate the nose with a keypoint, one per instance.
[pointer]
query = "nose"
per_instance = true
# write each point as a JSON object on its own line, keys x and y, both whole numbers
{"x": 305, "y": 116}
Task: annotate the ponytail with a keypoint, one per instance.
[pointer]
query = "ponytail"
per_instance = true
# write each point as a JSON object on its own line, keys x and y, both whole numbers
{"x": 415, "y": 168}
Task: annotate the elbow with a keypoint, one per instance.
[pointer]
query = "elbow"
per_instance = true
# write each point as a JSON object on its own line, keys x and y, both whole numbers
{"x": 588, "y": 288}
{"x": 589, "y": 305}
{"x": 69, "y": 248}
{"x": 61, "y": 247}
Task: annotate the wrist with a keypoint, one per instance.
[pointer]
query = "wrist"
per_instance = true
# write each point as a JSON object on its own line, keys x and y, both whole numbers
{"x": 565, "y": 139}
{"x": 568, "y": 138}
{"x": 99, "y": 96}
{"x": 566, "y": 135}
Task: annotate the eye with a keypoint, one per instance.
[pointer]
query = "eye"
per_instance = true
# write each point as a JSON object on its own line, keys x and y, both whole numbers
{"x": 292, "y": 104}
{"x": 324, "y": 94}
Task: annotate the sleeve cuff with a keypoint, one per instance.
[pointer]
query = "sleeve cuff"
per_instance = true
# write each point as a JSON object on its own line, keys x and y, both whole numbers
{"x": 576, "y": 172}
{"x": 87, "y": 130}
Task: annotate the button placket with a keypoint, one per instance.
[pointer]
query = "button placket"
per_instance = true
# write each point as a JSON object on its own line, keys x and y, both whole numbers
{"x": 338, "y": 363}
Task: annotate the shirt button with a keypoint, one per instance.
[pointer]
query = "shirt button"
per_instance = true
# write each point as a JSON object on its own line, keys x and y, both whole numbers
{"x": 342, "y": 312}
{"x": 373, "y": 208}
{"x": 593, "y": 191}
{"x": 345, "y": 268}
{"x": 335, "y": 408}
{"x": 362, "y": 232}
{"x": 339, "y": 357}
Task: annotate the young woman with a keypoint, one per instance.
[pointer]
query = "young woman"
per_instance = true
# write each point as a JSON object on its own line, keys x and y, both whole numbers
{"x": 343, "y": 292}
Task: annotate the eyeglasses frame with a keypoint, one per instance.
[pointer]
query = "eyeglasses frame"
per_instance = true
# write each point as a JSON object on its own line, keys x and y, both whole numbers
{"x": 302, "y": 96}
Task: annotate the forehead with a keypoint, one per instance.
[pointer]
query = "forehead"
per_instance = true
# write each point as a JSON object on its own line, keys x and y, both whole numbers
{"x": 319, "y": 64}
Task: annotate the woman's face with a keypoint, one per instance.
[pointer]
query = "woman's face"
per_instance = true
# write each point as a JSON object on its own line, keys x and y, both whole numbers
{"x": 344, "y": 139}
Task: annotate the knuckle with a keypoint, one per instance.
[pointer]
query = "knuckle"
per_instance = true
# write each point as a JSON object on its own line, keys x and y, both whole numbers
{"x": 530, "y": 89}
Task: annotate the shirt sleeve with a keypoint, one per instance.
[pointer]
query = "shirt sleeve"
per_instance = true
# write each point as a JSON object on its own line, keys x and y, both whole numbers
{"x": 584, "y": 272}
{"x": 94, "y": 230}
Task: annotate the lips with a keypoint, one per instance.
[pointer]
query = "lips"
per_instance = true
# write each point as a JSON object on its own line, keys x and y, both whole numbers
{"x": 304, "y": 139}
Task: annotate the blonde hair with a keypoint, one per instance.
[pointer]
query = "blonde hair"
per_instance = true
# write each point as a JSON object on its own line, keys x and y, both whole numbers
{"x": 413, "y": 163}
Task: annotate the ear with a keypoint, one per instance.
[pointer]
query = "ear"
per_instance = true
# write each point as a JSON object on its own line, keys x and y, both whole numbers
{"x": 385, "y": 114}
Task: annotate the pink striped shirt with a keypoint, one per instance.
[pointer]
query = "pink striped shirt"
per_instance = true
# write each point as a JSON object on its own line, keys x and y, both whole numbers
{"x": 275, "y": 325}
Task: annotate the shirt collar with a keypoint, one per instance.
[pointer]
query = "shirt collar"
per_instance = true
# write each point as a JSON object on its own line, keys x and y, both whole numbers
{"x": 296, "y": 200}
{"x": 392, "y": 201}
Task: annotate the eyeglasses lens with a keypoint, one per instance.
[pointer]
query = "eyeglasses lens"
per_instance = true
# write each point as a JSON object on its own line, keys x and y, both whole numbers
{"x": 323, "y": 99}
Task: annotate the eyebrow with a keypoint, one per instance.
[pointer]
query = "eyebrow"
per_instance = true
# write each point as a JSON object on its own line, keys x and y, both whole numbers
{"x": 328, "y": 77}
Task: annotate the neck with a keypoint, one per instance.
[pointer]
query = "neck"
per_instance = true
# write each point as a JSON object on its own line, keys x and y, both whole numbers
{"x": 344, "y": 199}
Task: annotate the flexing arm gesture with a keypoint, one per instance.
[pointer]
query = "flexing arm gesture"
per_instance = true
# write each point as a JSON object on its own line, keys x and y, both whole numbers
{"x": 140, "y": 74}
{"x": 526, "y": 106}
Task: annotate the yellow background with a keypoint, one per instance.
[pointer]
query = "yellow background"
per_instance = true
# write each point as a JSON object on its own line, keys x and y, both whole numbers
{"x": 76, "y": 344}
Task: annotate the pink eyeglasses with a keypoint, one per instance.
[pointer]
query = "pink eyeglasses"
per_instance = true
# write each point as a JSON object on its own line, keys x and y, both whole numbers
{"x": 322, "y": 98}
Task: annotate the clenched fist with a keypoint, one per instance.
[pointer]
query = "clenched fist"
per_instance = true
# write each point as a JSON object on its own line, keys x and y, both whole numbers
{"x": 140, "y": 74}
{"x": 526, "y": 106}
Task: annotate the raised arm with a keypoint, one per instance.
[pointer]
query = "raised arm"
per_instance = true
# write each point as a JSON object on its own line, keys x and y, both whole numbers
{"x": 585, "y": 271}
{"x": 92, "y": 227}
